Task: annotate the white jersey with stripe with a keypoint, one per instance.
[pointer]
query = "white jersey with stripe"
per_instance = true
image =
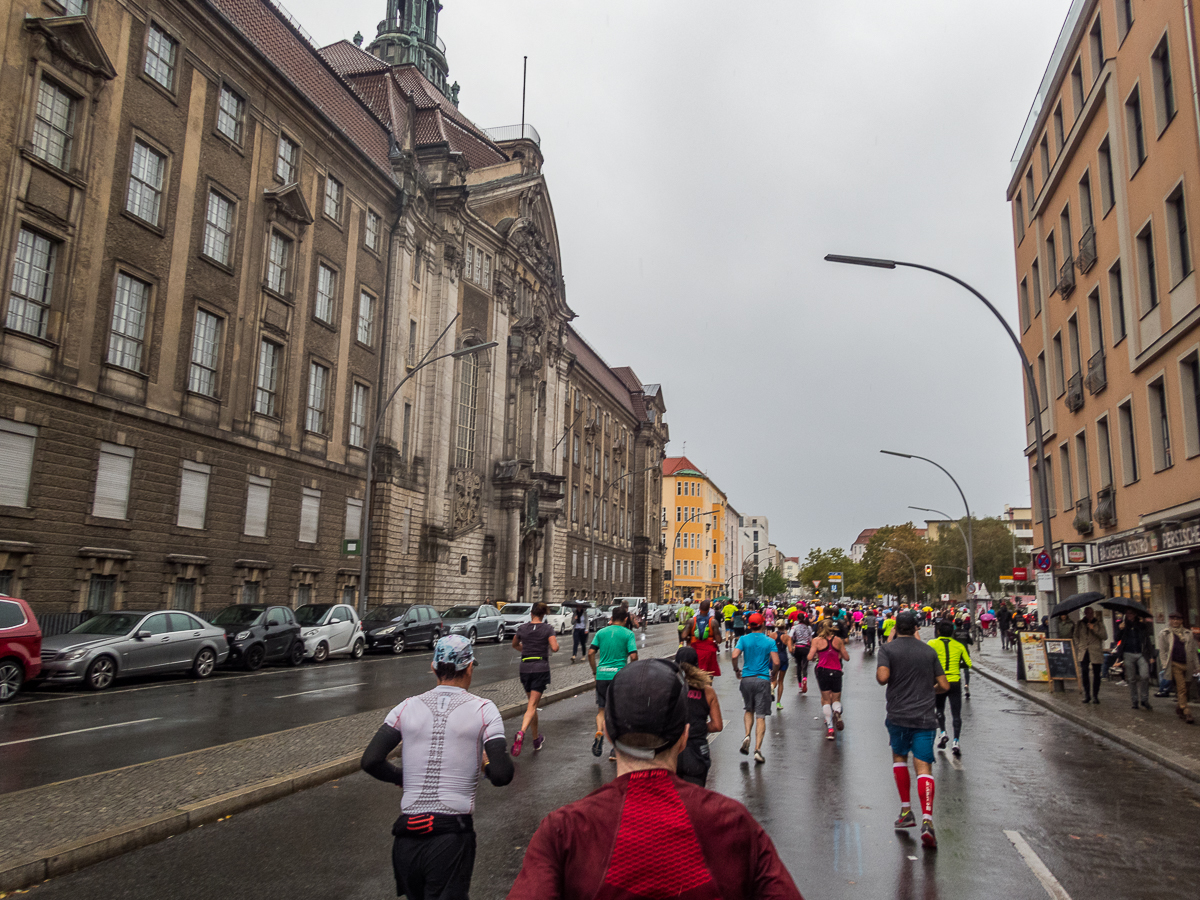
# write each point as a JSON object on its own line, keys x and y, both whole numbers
{"x": 443, "y": 732}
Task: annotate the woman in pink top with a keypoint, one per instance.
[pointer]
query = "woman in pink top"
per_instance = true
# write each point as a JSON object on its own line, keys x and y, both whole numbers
{"x": 829, "y": 650}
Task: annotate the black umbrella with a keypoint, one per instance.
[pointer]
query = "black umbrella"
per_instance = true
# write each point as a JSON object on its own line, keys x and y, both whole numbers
{"x": 1076, "y": 601}
{"x": 578, "y": 604}
{"x": 1120, "y": 604}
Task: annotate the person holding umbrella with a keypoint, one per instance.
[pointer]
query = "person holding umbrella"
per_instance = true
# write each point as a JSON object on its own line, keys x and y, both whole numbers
{"x": 1136, "y": 647}
{"x": 1090, "y": 635}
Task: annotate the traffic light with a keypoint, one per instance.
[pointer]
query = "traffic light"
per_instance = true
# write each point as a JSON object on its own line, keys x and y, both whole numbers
{"x": 928, "y": 571}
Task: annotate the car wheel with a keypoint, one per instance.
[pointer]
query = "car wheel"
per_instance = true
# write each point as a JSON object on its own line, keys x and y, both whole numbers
{"x": 204, "y": 663}
{"x": 471, "y": 635}
{"x": 12, "y": 676}
{"x": 360, "y": 647}
{"x": 100, "y": 673}
{"x": 253, "y": 657}
{"x": 398, "y": 644}
{"x": 295, "y": 653}
{"x": 499, "y": 635}
{"x": 321, "y": 653}
{"x": 437, "y": 636}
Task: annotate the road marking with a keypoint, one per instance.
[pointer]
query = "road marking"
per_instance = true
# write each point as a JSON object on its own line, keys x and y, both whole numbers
{"x": 336, "y": 687}
{"x": 1044, "y": 875}
{"x": 46, "y": 737}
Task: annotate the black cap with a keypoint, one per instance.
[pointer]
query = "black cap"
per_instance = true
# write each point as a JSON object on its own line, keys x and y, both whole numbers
{"x": 687, "y": 654}
{"x": 907, "y": 618}
{"x": 648, "y": 696}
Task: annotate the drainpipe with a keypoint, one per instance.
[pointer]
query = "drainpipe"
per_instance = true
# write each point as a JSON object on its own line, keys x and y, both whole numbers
{"x": 1191, "y": 44}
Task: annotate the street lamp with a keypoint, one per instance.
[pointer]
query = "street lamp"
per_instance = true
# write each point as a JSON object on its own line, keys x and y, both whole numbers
{"x": 364, "y": 549}
{"x": 1030, "y": 380}
{"x": 969, "y": 569}
{"x": 916, "y": 590}
{"x": 596, "y": 504}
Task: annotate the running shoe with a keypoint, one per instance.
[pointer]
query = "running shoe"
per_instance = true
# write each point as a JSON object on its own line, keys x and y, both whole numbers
{"x": 906, "y": 820}
{"x": 830, "y": 734}
{"x": 956, "y": 750}
{"x": 837, "y": 720}
{"x": 612, "y": 757}
{"x": 745, "y": 749}
{"x": 943, "y": 740}
{"x": 967, "y": 694}
{"x": 928, "y": 838}
{"x": 804, "y": 686}
{"x": 758, "y": 757}
{"x": 779, "y": 704}
{"x": 518, "y": 740}
{"x": 538, "y": 741}
{"x": 1146, "y": 706}
{"x": 598, "y": 744}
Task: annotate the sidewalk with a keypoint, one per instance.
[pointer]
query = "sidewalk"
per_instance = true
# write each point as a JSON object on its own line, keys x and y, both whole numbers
{"x": 1159, "y": 735}
{"x": 58, "y": 828}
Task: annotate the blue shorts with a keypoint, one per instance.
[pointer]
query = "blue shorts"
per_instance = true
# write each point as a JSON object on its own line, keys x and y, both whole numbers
{"x": 918, "y": 741}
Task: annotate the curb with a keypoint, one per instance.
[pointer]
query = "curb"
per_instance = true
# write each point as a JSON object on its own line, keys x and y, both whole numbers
{"x": 71, "y": 857}
{"x": 1176, "y": 762}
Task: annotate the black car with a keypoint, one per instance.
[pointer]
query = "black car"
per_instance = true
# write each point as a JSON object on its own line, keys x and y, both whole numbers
{"x": 397, "y": 626}
{"x": 261, "y": 634}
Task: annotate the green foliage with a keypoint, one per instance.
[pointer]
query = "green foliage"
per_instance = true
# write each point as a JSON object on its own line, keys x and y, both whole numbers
{"x": 890, "y": 573}
{"x": 819, "y": 563}
{"x": 993, "y": 545}
{"x": 773, "y": 583}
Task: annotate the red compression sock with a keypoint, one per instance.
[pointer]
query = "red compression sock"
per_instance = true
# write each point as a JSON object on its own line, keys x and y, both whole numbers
{"x": 925, "y": 792}
{"x": 900, "y": 773}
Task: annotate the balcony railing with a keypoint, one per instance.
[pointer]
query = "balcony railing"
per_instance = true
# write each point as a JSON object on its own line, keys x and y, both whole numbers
{"x": 1074, "y": 398}
{"x": 1066, "y": 277}
{"x": 1087, "y": 249}
{"x": 514, "y": 133}
{"x": 1097, "y": 376}
{"x": 1083, "y": 516}
{"x": 1106, "y": 507}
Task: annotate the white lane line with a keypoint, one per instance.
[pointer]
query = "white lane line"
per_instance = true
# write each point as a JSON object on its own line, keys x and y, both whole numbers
{"x": 46, "y": 737}
{"x": 1044, "y": 875}
{"x": 336, "y": 687}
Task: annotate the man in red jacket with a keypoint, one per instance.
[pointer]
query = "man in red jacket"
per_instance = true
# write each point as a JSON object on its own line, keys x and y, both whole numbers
{"x": 596, "y": 847}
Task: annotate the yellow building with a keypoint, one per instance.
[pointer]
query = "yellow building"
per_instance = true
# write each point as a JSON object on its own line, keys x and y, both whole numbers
{"x": 693, "y": 532}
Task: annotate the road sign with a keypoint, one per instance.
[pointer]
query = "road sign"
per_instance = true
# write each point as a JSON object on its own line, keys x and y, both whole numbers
{"x": 1045, "y": 581}
{"x": 835, "y": 576}
{"x": 817, "y": 584}
{"x": 1006, "y": 579}
{"x": 945, "y": 598}
{"x": 1042, "y": 561}
{"x": 1020, "y": 573}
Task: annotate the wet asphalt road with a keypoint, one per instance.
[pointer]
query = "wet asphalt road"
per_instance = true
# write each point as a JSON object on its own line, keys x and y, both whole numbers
{"x": 50, "y": 734}
{"x": 1105, "y": 823}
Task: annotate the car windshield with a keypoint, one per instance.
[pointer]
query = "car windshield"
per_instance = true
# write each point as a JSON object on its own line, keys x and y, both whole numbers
{"x": 109, "y": 623}
{"x": 516, "y": 609}
{"x": 313, "y": 613}
{"x": 460, "y": 612}
{"x": 386, "y": 613}
{"x": 239, "y": 615}
{"x": 554, "y": 610}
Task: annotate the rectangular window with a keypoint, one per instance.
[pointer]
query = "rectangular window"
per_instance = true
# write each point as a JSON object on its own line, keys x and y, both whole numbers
{"x": 32, "y": 284}
{"x": 1064, "y": 230}
{"x": 1076, "y": 355}
{"x": 287, "y": 158}
{"x": 1189, "y": 389}
{"x": 279, "y": 260}
{"x": 1030, "y": 194}
{"x": 1116, "y": 290}
{"x": 1077, "y": 95}
{"x": 1108, "y": 192}
{"x": 679, "y": 514}
{"x": 183, "y": 596}
{"x": 258, "y": 504}
{"x": 412, "y": 342}
{"x": 468, "y": 389}
{"x": 1059, "y": 134}
{"x": 1064, "y": 473}
{"x": 218, "y": 228}
{"x": 1019, "y": 217}
{"x": 478, "y": 266}
{"x": 371, "y": 232}
{"x": 206, "y": 346}
{"x": 575, "y": 450}
{"x": 130, "y": 306}
{"x": 366, "y": 318}
{"x": 310, "y": 515}
{"x": 161, "y": 50}
{"x": 1056, "y": 362}
{"x": 318, "y": 391}
{"x": 1035, "y": 278}
{"x": 1124, "y": 18}
{"x": 54, "y": 125}
{"x": 574, "y": 563}
{"x": 1129, "y": 463}
{"x": 1164, "y": 90}
{"x": 1050, "y": 488}
{"x": 1095, "y": 323}
{"x": 354, "y": 508}
{"x": 147, "y": 170}
{"x": 1147, "y": 271}
{"x": 1045, "y": 155}
{"x": 1160, "y": 425}
{"x": 1137, "y": 133}
{"x": 102, "y": 593}
{"x": 231, "y": 114}
{"x": 1052, "y": 262}
{"x": 326, "y": 291}
{"x": 1104, "y": 452}
{"x": 1043, "y": 387}
{"x": 17, "y": 442}
{"x": 265, "y": 392}
{"x": 333, "y": 198}
{"x": 1082, "y": 476}
{"x": 1096, "y": 47}
{"x": 1086, "y": 215}
{"x": 406, "y": 437}
{"x": 114, "y": 474}
{"x": 193, "y": 494}
{"x": 358, "y": 415}
{"x": 75, "y": 8}
{"x": 251, "y": 591}
{"x": 575, "y": 503}
{"x": 1177, "y": 235}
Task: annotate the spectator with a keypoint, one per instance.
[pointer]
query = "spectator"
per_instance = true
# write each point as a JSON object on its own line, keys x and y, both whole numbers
{"x": 1177, "y": 656}
{"x": 1090, "y": 635}
{"x": 637, "y": 836}
{"x": 1137, "y": 649}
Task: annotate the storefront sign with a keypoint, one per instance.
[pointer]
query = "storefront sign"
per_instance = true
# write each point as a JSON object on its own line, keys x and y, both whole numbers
{"x": 1077, "y": 554}
{"x": 1168, "y": 538}
{"x": 1020, "y": 573}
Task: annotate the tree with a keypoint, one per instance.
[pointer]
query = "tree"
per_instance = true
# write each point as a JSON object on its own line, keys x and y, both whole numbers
{"x": 819, "y": 563}
{"x": 890, "y": 572}
{"x": 773, "y": 583}
{"x": 993, "y": 546}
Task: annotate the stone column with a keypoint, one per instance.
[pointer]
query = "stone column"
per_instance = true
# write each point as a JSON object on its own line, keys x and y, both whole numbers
{"x": 548, "y": 563}
{"x": 514, "y": 554}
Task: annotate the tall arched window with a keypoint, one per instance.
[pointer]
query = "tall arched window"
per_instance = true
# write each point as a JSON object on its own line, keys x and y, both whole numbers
{"x": 468, "y": 394}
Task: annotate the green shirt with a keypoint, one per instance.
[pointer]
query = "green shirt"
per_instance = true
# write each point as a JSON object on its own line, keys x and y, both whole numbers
{"x": 612, "y": 644}
{"x": 684, "y": 616}
{"x": 888, "y": 625}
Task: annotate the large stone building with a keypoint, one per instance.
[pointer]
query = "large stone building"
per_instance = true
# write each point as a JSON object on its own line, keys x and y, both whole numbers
{"x": 228, "y": 251}
{"x": 1105, "y": 182}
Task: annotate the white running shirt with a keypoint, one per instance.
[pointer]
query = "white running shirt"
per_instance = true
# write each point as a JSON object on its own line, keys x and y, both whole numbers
{"x": 443, "y": 732}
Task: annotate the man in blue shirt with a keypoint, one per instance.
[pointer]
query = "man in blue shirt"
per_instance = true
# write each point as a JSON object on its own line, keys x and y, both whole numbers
{"x": 760, "y": 657}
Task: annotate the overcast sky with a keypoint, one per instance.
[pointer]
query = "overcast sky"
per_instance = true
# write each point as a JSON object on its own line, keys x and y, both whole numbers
{"x": 702, "y": 158}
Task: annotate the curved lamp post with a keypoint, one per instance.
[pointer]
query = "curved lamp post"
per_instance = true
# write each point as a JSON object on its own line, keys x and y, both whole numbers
{"x": 970, "y": 570}
{"x": 916, "y": 590}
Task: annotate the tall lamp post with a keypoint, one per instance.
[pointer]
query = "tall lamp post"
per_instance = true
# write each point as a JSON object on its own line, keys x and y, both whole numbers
{"x": 364, "y": 550}
{"x": 970, "y": 568}
{"x": 1030, "y": 381}
{"x": 916, "y": 590}
{"x": 596, "y": 505}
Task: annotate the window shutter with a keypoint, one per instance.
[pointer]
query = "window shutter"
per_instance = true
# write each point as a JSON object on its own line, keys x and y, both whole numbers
{"x": 193, "y": 494}
{"x": 258, "y": 500}
{"x": 310, "y": 512}
{"x": 353, "y": 519}
{"x": 16, "y": 462}
{"x": 112, "y": 482}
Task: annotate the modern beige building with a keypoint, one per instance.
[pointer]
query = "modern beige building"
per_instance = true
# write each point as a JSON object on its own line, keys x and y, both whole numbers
{"x": 1106, "y": 179}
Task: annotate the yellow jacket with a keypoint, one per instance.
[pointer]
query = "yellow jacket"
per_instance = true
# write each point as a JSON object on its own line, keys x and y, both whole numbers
{"x": 952, "y": 654}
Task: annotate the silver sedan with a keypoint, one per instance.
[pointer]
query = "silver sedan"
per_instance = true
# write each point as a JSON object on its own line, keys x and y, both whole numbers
{"x": 116, "y": 644}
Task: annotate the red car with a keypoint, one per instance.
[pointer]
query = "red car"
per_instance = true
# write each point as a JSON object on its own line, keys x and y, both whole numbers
{"x": 20, "y": 646}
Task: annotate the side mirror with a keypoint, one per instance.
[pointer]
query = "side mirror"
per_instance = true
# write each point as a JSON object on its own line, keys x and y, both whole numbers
{"x": 268, "y": 624}
{"x": 143, "y": 635}
{"x": 336, "y": 621}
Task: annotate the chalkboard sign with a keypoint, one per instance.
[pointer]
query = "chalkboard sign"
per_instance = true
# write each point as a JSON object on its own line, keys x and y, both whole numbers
{"x": 1060, "y": 659}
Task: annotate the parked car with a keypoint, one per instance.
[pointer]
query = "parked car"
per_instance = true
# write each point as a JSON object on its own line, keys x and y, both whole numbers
{"x": 261, "y": 634}
{"x": 397, "y": 626}
{"x": 330, "y": 629}
{"x": 116, "y": 644}
{"x": 475, "y": 622}
{"x": 514, "y": 616}
{"x": 20, "y": 646}
{"x": 560, "y": 616}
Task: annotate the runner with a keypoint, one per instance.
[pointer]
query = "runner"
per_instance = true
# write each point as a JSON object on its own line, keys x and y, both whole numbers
{"x": 887, "y": 627}
{"x": 800, "y": 642}
{"x": 536, "y": 641}
{"x": 779, "y": 635}
{"x": 612, "y": 647}
{"x": 755, "y": 681}
{"x": 913, "y": 676}
{"x": 727, "y": 614}
{"x": 869, "y": 624}
{"x": 829, "y": 651}
{"x": 684, "y": 616}
{"x": 738, "y": 624}
{"x": 953, "y": 656}
{"x": 962, "y": 634}
{"x": 769, "y": 616}
{"x": 704, "y": 633}
{"x": 704, "y": 718}
{"x": 444, "y": 734}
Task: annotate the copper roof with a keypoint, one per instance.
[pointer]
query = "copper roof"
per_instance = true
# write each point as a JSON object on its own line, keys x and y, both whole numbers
{"x": 674, "y": 465}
